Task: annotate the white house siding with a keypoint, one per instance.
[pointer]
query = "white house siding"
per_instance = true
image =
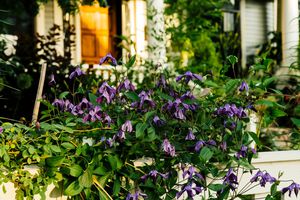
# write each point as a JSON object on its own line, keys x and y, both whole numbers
{"x": 49, "y": 15}
{"x": 259, "y": 21}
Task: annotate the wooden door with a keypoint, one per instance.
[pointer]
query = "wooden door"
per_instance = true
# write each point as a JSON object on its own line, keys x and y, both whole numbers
{"x": 94, "y": 33}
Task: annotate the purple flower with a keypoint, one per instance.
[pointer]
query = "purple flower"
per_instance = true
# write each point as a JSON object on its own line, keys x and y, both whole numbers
{"x": 136, "y": 195}
{"x": 83, "y": 105}
{"x": 242, "y": 153}
{"x": 263, "y": 178}
{"x": 190, "y": 190}
{"x": 192, "y": 172}
{"x": 121, "y": 135}
{"x": 106, "y": 92}
{"x": 177, "y": 108}
{"x": 199, "y": 145}
{"x": 1, "y": 129}
{"x": 127, "y": 126}
{"x": 231, "y": 111}
{"x": 293, "y": 187}
{"x": 168, "y": 148}
{"x": 157, "y": 121}
{"x": 107, "y": 58}
{"x": 110, "y": 142}
{"x": 223, "y": 146}
{"x": 190, "y": 136}
{"x": 76, "y": 73}
{"x": 144, "y": 102}
{"x": 107, "y": 119}
{"x": 244, "y": 86}
{"x": 126, "y": 85}
{"x": 154, "y": 174}
{"x": 202, "y": 143}
{"x": 60, "y": 103}
{"x": 93, "y": 115}
{"x": 52, "y": 80}
{"x": 230, "y": 179}
{"x": 189, "y": 76}
{"x": 161, "y": 82}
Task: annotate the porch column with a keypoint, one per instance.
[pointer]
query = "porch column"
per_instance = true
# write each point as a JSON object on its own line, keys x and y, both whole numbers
{"x": 156, "y": 31}
{"x": 290, "y": 31}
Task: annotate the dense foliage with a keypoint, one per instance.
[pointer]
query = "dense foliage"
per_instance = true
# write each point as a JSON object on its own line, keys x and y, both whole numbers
{"x": 177, "y": 138}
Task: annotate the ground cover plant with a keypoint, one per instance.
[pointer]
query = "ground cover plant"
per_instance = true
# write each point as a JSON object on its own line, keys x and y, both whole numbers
{"x": 177, "y": 137}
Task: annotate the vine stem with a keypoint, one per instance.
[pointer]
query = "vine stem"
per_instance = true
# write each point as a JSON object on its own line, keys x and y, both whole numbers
{"x": 101, "y": 188}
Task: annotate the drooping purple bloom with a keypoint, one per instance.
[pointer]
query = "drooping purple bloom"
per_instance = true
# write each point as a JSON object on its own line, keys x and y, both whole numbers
{"x": 83, "y": 105}
{"x": 107, "y": 58}
{"x": 230, "y": 125}
{"x": 191, "y": 172}
{"x": 231, "y": 111}
{"x": 60, "y": 103}
{"x": 93, "y": 115}
{"x": 263, "y": 178}
{"x": 127, "y": 126}
{"x": 107, "y": 119}
{"x": 126, "y": 85}
{"x": 202, "y": 143}
{"x": 190, "y": 136}
{"x": 190, "y": 190}
{"x": 293, "y": 187}
{"x": 168, "y": 148}
{"x": 110, "y": 142}
{"x": 199, "y": 145}
{"x": 121, "y": 135}
{"x": 106, "y": 92}
{"x": 76, "y": 73}
{"x": 223, "y": 146}
{"x": 244, "y": 86}
{"x": 242, "y": 153}
{"x": 1, "y": 129}
{"x": 161, "y": 82}
{"x": 157, "y": 121}
{"x": 177, "y": 108}
{"x": 154, "y": 175}
{"x": 52, "y": 80}
{"x": 253, "y": 150}
{"x": 145, "y": 102}
{"x": 189, "y": 76}
{"x": 136, "y": 195}
{"x": 230, "y": 179}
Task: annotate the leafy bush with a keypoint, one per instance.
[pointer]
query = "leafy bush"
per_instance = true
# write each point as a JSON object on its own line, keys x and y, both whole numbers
{"x": 186, "y": 136}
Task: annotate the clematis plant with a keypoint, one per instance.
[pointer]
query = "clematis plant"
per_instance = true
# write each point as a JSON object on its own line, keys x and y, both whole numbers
{"x": 118, "y": 140}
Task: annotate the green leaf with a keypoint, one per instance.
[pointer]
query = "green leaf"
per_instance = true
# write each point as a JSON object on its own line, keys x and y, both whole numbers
{"x": 151, "y": 134}
{"x": 277, "y": 113}
{"x": 216, "y": 187}
{"x": 265, "y": 102}
{"x": 67, "y": 145}
{"x": 232, "y": 59}
{"x": 140, "y": 130}
{"x": 55, "y": 148}
{"x": 164, "y": 96}
{"x": 132, "y": 96}
{"x": 116, "y": 187}
{"x": 296, "y": 121}
{"x": 114, "y": 162}
{"x": 93, "y": 98}
{"x": 55, "y": 161}
{"x": 131, "y": 61}
{"x": 149, "y": 114}
{"x": 86, "y": 179}
{"x": 73, "y": 189}
{"x": 268, "y": 81}
{"x": 231, "y": 85}
{"x": 255, "y": 138}
{"x": 206, "y": 154}
{"x": 63, "y": 95}
{"x": 75, "y": 170}
{"x": 210, "y": 83}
